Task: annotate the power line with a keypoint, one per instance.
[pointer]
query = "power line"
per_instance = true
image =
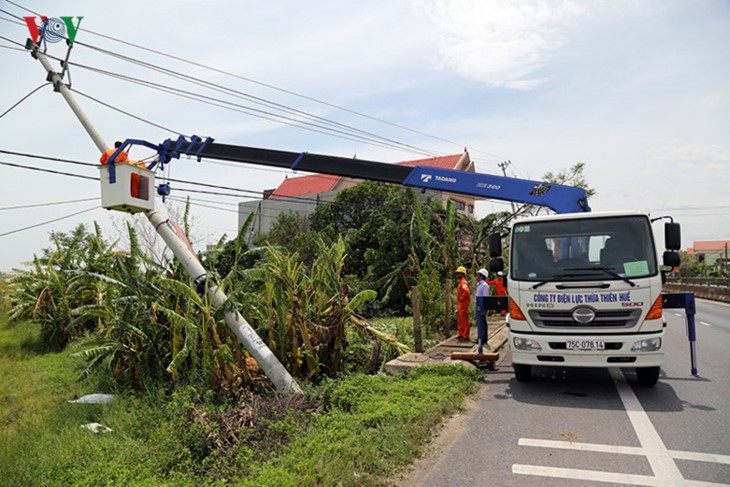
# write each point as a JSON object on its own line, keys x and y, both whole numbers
{"x": 347, "y": 133}
{"x": 257, "y": 99}
{"x": 174, "y": 180}
{"x": 23, "y": 99}
{"x": 48, "y": 221}
{"x": 40, "y": 205}
{"x": 249, "y": 97}
{"x": 21, "y": 166}
{"x": 283, "y": 90}
{"x": 127, "y": 113}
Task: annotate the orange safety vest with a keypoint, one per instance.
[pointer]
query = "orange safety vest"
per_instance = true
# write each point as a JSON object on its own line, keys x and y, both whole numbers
{"x": 463, "y": 295}
{"x": 499, "y": 288}
{"x": 121, "y": 158}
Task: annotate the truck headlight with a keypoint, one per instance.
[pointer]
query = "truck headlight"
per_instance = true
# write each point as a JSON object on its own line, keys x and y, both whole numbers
{"x": 527, "y": 345}
{"x": 648, "y": 345}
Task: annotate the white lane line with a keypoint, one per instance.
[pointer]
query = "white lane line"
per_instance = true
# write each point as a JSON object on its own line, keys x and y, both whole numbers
{"x": 677, "y": 314}
{"x": 705, "y": 323}
{"x": 700, "y": 457}
{"x": 565, "y": 445}
{"x": 594, "y": 475}
{"x": 625, "y": 450}
{"x": 665, "y": 470}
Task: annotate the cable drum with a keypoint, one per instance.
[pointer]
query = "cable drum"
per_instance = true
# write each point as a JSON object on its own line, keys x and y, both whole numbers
{"x": 54, "y": 30}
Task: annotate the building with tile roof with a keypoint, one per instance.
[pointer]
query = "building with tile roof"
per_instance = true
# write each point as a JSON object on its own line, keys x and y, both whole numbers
{"x": 711, "y": 251}
{"x": 302, "y": 194}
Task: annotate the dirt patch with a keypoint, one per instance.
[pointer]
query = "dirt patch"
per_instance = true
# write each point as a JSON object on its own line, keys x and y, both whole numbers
{"x": 256, "y": 427}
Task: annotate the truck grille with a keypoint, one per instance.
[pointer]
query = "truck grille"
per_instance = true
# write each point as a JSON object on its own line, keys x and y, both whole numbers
{"x": 604, "y": 319}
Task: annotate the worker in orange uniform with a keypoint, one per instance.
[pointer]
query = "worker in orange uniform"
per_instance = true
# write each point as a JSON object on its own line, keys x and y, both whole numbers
{"x": 122, "y": 158}
{"x": 463, "y": 298}
{"x": 500, "y": 289}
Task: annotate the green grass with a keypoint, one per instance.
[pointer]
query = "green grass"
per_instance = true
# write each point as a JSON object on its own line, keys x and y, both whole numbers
{"x": 32, "y": 382}
{"x": 376, "y": 425}
{"x": 355, "y": 430}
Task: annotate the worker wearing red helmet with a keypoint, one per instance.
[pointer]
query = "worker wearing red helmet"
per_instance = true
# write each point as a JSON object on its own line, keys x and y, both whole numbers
{"x": 463, "y": 298}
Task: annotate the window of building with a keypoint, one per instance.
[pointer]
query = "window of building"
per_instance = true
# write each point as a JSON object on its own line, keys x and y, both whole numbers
{"x": 459, "y": 205}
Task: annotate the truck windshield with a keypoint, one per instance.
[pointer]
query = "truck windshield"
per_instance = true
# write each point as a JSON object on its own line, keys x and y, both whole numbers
{"x": 608, "y": 248}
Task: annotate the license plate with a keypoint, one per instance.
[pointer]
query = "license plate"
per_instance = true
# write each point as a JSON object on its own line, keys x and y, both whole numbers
{"x": 585, "y": 345}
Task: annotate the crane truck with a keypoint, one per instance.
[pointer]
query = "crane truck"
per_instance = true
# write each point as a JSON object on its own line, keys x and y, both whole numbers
{"x": 584, "y": 288}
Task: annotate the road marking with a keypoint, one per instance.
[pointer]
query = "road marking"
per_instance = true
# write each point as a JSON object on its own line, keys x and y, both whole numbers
{"x": 705, "y": 323}
{"x": 678, "y": 314}
{"x": 600, "y": 476}
{"x": 577, "y": 474}
{"x": 661, "y": 463}
{"x": 661, "y": 460}
{"x": 625, "y": 450}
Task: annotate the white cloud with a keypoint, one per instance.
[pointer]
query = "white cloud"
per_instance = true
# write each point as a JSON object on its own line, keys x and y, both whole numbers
{"x": 500, "y": 43}
{"x": 710, "y": 157}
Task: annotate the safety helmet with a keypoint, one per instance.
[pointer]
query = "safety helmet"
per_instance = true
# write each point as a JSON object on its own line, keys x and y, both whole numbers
{"x": 483, "y": 272}
{"x": 461, "y": 269}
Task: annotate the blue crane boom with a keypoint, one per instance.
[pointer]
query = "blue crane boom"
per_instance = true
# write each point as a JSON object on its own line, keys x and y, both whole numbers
{"x": 560, "y": 198}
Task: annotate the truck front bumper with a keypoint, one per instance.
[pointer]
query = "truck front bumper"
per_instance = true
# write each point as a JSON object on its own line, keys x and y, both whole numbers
{"x": 555, "y": 350}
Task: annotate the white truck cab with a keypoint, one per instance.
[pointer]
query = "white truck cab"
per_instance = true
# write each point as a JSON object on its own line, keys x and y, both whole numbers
{"x": 585, "y": 291}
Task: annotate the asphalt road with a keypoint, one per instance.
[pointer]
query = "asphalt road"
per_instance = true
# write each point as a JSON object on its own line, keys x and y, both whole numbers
{"x": 576, "y": 427}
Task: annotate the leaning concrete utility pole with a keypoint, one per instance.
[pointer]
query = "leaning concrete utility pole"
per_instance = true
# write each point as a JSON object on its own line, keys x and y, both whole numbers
{"x": 274, "y": 370}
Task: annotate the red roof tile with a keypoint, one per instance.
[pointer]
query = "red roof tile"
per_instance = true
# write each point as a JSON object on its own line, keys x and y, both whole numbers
{"x": 445, "y": 162}
{"x": 711, "y": 245}
{"x": 316, "y": 183}
{"x": 321, "y": 183}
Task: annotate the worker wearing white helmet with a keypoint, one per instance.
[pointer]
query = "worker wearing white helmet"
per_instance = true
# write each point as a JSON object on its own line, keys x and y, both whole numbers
{"x": 482, "y": 291}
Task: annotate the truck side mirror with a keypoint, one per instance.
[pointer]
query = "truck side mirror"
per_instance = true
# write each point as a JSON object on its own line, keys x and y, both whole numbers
{"x": 495, "y": 245}
{"x": 672, "y": 236}
{"x": 496, "y": 265}
{"x": 671, "y": 259}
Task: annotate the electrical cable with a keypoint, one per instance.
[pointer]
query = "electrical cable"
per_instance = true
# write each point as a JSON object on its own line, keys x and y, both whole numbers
{"x": 39, "y": 205}
{"x": 256, "y": 112}
{"x": 253, "y": 81}
{"x": 247, "y": 96}
{"x": 288, "y": 92}
{"x": 196, "y": 183}
{"x": 48, "y": 158}
{"x": 48, "y": 221}
{"x": 23, "y": 99}
{"x": 127, "y": 113}
{"x": 195, "y": 203}
{"x": 13, "y": 42}
{"x": 11, "y": 164}
{"x": 351, "y": 133}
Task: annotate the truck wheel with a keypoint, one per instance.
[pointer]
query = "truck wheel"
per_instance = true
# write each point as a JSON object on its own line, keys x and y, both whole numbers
{"x": 648, "y": 376}
{"x": 522, "y": 372}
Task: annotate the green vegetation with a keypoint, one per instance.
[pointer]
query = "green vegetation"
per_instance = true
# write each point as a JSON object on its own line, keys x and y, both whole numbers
{"x": 358, "y": 429}
{"x": 194, "y": 408}
{"x": 32, "y": 381}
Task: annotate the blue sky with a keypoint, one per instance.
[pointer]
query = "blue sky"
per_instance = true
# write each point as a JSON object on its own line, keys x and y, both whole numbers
{"x": 638, "y": 90}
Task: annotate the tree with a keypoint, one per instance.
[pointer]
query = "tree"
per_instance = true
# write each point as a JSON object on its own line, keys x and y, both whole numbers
{"x": 573, "y": 176}
{"x": 374, "y": 219}
{"x": 286, "y": 227}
